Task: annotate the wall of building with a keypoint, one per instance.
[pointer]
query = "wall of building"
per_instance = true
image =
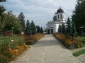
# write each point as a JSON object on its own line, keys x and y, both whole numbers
{"x": 55, "y": 28}
{"x": 60, "y": 17}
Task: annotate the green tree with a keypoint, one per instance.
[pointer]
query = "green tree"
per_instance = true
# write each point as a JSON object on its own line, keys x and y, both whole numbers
{"x": 41, "y": 30}
{"x": 2, "y": 15}
{"x": 2, "y": 0}
{"x": 73, "y": 29}
{"x": 12, "y": 23}
{"x": 22, "y": 20}
{"x": 38, "y": 29}
{"x": 60, "y": 29}
{"x": 28, "y": 27}
{"x": 63, "y": 28}
{"x": 68, "y": 27}
{"x": 33, "y": 28}
{"x": 78, "y": 16}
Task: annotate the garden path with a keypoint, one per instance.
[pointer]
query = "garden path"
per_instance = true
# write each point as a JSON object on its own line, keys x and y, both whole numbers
{"x": 47, "y": 50}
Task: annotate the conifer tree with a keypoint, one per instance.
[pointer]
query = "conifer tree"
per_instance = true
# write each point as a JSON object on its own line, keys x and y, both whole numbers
{"x": 78, "y": 16}
{"x": 28, "y": 27}
{"x": 60, "y": 29}
{"x": 2, "y": 0}
{"x": 41, "y": 30}
{"x": 38, "y": 29}
{"x": 22, "y": 20}
{"x": 73, "y": 29}
{"x": 68, "y": 27}
{"x": 63, "y": 28}
{"x": 33, "y": 28}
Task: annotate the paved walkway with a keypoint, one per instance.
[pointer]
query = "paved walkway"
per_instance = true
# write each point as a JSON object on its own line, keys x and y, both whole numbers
{"x": 47, "y": 50}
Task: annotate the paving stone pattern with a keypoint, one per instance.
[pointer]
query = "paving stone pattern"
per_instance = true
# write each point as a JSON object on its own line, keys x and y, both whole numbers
{"x": 47, "y": 50}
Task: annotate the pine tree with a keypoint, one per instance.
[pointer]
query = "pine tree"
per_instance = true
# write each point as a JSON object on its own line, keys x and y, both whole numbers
{"x": 68, "y": 28}
{"x": 60, "y": 29}
{"x": 33, "y": 28}
{"x": 22, "y": 20}
{"x": 73, "y": 29}
{"x": 28, "y": 27}
{"x": 63, "y": 28}
{"x": 78, "y": 16}
{"x": 38, "y": 29}
{"x": 41, "y": 30}
{"x": 2, "y": 0}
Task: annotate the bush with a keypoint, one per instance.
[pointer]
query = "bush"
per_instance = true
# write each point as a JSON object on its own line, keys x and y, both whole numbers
{"x": 68, "y": 41}
{"x": 31, "y": 39}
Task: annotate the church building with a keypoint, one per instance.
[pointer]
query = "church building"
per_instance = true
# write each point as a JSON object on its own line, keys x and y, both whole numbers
{"x": 58, "y": 19}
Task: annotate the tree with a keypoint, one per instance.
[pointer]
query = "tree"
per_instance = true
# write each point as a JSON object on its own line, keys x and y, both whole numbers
{"x": 63, "y": 28}
{"x": 38, "y": 29}
{"x": 2, "y": 9}
{"x": 33, "y": 28}
{"x": 41, "y": 30}
{"x": 60, "y": 29}
{"x": 22, "y": 21}
{"x": 11, "y": 23}
{"x": 68, "y": 27}
{"x": 78, "y": 16}
{"x": 2, "y": 0}
{"x": 28, "y": 27}
{"x": 73, "y": 29}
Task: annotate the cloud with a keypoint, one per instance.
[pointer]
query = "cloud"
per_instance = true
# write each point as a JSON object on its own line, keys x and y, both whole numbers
{"x": 41, "y": 11}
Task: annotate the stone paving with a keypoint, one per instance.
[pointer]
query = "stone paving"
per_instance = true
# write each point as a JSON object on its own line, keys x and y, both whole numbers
{"x": 47, "y": 50}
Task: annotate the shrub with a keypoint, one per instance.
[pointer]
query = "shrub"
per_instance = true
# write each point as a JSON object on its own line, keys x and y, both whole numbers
{"x": 31, "y": 39}
{"x": 68, "y": 41}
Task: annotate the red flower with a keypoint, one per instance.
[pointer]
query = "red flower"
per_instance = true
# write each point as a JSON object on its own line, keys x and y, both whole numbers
{"x": 7, "y": 33}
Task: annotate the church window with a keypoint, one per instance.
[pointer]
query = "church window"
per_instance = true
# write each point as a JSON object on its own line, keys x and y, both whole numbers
{"x": 58, "y": 16}
{"x": 61, "y": 16}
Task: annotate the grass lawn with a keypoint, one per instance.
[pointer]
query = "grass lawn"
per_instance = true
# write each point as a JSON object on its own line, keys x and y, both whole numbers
{"x": 82, "y": 38}
{"x": 79, "y": 52}
{"x": 7, "y": 39}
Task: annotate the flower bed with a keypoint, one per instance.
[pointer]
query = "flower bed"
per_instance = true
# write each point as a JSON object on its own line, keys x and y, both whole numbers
{"x": 67, "y": 41}
{"x": 8, "y": 54}
{"x": 31, "y": 39}
{"x": 11, "y": 47}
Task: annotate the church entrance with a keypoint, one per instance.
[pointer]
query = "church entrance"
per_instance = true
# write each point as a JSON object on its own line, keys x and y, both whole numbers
{"x": 49, "y": 31}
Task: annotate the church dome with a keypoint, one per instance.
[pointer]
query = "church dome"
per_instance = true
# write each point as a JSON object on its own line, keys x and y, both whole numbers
{"x": 60, "y": 10}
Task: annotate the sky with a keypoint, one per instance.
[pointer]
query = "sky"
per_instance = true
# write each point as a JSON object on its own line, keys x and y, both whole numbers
{"x": 40, "y": 11}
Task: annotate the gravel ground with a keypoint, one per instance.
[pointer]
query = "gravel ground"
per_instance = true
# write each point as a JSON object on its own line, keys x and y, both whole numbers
{"x": 47, "y": 50}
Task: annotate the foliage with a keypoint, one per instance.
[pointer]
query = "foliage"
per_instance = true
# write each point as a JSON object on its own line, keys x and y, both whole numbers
{"x": 75, "y": 43}
{"x": 79, "y": 52}
{"x": 63, "y": 28}
{"x": 12, "y": 23}
{"x": 38, "y": 29}
{"x": 22, "y": 21}
{"x": 82, "y": 39}
{"x": 30, "y": 39}
{"x": 33, "y": 28}
{"x": 8, "y": 21}
{"x": 78, "y": 16}
{"x": 68, "y": 28}
{"x": 73, "y": 29}
{"x": 11, "y": 47}
{"x": 60, "y": 29}
{"x": 41, "y": 30}
{"x": 28, "y": 28}
{"x": 2, "y": 9}
{"x": 2, "y": 0}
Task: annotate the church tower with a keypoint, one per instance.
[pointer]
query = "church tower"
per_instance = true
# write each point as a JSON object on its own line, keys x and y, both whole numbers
{"x": 59, "y": 15}
{"x": 58, "y": 19}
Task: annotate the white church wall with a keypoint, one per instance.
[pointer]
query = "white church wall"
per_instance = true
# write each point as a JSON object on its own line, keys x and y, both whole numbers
{"x": 56, "y": 28}
{"x": 59, "y": 16}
